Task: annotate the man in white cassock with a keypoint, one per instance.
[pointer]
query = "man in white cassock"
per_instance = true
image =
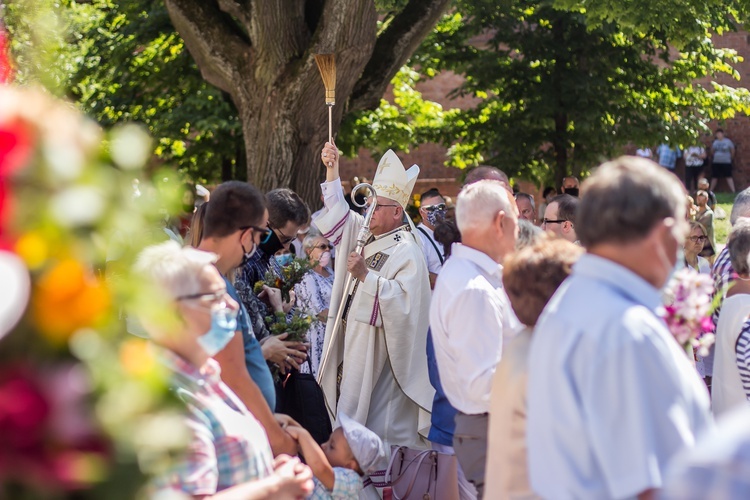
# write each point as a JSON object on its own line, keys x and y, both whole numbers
{"x": 376, "y": 367}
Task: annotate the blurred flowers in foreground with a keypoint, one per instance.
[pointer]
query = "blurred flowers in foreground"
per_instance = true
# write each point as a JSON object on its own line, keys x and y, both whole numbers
{"x": 84, "y": 410}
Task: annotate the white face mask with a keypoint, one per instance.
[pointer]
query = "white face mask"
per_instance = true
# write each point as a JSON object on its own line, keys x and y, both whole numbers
{"x": 325, "y": 259}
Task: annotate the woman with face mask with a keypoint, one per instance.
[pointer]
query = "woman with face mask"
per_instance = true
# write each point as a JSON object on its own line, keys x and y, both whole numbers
{"x": 314, "y": 294}
{"x": 196, "y": 320}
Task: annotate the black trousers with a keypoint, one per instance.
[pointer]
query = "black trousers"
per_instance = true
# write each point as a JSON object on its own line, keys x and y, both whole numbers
{"x": 691, "y": 177}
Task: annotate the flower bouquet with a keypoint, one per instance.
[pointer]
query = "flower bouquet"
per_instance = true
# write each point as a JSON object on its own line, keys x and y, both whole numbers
{"x": 688, "y": 309}
{"x": 85, "y": 409}
{"x": 290, "y": 276}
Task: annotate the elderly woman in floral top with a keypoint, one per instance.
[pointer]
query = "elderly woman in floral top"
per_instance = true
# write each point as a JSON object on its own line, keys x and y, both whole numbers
{"x": 228, "y": 455}
{"x": 314, "y": 293}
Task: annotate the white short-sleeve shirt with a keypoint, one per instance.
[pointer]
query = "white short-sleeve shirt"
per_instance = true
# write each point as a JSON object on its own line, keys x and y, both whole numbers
{"x": 612, "y": 398}
{"x": 433, "y": 250}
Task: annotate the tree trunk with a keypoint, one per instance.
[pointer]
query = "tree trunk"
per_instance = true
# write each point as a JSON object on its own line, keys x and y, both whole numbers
{"x": 560, "y": 146}
{"x": 260, "y": 53}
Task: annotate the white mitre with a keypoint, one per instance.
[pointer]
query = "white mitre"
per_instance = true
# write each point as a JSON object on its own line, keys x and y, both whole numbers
{"x": 393, "y": 181}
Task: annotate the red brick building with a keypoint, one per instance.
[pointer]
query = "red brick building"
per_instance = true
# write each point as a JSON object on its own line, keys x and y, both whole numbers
{"x": 431, "y": 157}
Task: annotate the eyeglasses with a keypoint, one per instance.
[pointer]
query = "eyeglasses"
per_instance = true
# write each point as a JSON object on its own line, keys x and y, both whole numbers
{"x": 553, "y": 221}
{"x": 433, "y": 208}
{"x": 324, "y": 247}
{"x": 383, "y": 206}
{"x": 283, "y": 241}
{"x": 265, "y": 233}
{"x": 696, "y": 239}
{"x": 208, "y": 298}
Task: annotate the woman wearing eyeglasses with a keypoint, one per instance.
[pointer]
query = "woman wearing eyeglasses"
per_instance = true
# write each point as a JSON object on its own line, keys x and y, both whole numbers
{"x": 314, "y": 294}
{"x": 693, "y": 246}
{"x": 228, "y": 454}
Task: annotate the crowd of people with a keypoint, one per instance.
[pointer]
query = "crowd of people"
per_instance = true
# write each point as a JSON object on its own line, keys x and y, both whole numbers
{"x": 522, "y": 341}
{"x": 718, "y": 160}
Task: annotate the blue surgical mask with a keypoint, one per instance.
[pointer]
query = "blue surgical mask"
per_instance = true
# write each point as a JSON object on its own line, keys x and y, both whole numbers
{"x": 285, "y": 259}
{"x": 223, "y": 326}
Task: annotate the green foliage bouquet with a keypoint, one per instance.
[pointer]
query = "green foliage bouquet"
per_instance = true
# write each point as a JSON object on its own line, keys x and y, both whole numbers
{"x": 296, "y": 325}
{"x": 290, "y": 276}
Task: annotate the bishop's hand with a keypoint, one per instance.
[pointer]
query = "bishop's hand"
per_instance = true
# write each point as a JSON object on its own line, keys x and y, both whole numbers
{"x": 330, "y": 157}
{"x": 355, "y": 263}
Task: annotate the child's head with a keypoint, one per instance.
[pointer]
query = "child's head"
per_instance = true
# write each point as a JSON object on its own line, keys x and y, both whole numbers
{"x": 353, "y": 446}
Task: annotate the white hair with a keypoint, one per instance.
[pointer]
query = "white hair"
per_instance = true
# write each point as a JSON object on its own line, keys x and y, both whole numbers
{"x": 741, "y": 206}
{"x": 175, "y": 269}
{"x": 478, "y": 204}
{"x": 311, "y": 237}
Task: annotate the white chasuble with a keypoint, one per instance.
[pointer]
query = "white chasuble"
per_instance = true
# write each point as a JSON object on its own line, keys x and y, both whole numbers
{"x": 384, "y": 381}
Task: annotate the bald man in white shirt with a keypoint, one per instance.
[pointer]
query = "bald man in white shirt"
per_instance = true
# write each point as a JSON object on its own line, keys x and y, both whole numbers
{"x": 470, "y": 315}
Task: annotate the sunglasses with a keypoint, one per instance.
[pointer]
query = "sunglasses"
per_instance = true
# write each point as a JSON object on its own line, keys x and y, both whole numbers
{"x": 553, "y": 221}
{"x": 286, "y": 239}
{"x": 324, "y": 247}
{"x": 696, "y": 239}
{"x": 265, "y": 233}
{"x": 433, "y": 208}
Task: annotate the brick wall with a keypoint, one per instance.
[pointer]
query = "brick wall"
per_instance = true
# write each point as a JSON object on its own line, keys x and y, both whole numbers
{"x": 431, "y": 157}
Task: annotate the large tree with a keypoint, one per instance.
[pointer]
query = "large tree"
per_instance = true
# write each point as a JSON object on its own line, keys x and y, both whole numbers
{"x": 260, "y": 53}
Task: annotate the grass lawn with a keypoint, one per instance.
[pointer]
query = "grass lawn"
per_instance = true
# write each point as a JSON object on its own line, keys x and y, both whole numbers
{"x": 722, "y": 227}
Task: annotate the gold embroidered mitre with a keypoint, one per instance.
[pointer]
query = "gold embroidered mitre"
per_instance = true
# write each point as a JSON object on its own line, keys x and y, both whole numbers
{"x": 393, "y": 181}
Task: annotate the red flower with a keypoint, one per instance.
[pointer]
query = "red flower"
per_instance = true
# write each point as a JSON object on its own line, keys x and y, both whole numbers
{"x": 46, "y": 430}
{"x": 6, "y": 66}
{"x": 16, "y": 145}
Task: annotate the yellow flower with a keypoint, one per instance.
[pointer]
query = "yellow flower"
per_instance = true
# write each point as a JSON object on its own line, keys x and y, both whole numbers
{"x": 32, "y": 248}
{"x": 135, "y": 357}
{"x": 68, "y": 297}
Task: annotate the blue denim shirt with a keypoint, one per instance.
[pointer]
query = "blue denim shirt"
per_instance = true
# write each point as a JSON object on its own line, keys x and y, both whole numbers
{"x": 256, "y": 364}
{"x": 443, "y": 414}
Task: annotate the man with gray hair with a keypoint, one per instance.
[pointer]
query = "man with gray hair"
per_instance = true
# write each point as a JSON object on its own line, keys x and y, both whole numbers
{"x": 485, "y": 172}
{"x": 470, "y": 315}
{"x": 526, "y": 208}
{"x": 612, "y": 397}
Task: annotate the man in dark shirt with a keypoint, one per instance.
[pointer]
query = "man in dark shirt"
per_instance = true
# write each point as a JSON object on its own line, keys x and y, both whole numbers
{"x": 287, "y": 213}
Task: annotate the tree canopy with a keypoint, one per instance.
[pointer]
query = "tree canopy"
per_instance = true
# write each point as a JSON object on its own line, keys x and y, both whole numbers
{"x": 232, "y": 91}
{"x": 559, "y": 90}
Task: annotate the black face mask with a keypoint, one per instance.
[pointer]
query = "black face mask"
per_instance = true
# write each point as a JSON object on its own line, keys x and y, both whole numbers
{"x": 271, "y": 246}
{"x": 572, "y": 191}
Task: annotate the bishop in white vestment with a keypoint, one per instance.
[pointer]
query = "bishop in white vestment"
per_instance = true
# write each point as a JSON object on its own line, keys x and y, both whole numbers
{"x": 376, "y": 371}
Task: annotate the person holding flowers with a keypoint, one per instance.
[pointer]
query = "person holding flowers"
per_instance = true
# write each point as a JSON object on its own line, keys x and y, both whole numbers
{"x": 314, "y": 293}
{"x": 228, "y": 454}
{"x": 612, "y": 397}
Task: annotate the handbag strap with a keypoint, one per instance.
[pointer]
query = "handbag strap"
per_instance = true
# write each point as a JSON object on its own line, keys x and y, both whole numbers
{"x": 377, "y": 479}
{"x": 432, "y": 242}
{"x": 419, "y": 460}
